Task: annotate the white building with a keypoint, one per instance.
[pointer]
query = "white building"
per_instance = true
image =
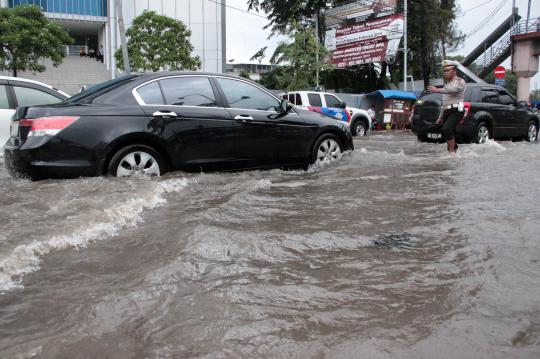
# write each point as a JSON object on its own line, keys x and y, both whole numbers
{"x": 93, "y": 23}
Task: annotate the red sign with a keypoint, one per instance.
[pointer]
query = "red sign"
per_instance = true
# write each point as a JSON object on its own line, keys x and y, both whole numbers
{"x": 499, "y": 72}
{"x": 371, "y": 41}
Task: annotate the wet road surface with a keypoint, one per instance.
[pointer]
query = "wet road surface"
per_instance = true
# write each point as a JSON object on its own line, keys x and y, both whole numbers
{"x": 399, "y": 250}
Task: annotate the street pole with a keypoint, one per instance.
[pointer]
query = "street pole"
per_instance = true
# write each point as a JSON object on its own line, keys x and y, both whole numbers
{"x": 405, "y": 50}
{"x": 528, "y": 17}
{"x": 123, "y": 43}
{"x": 317, "y": 48}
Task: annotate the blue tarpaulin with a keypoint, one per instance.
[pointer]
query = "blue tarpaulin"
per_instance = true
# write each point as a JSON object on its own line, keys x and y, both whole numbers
{"x": 395, "y": 94}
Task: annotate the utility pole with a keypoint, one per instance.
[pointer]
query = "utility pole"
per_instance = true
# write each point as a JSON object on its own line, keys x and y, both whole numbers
{"x": 317, "y": 48}
{"x": 405, "y": 50}
{"x": 123, "y": 43}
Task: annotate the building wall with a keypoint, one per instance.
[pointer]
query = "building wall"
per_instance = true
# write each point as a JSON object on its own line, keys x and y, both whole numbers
{"x": 205, "y": 19}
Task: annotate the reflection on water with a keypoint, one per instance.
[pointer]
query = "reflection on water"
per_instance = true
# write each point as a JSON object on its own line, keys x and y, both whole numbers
{"x": 399, "y": 250}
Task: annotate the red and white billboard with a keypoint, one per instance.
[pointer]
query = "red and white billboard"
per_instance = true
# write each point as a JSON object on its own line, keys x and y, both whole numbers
{"x": 370, "y": 41}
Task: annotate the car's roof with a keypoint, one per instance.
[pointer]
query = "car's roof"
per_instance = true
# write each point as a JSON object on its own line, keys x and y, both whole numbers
{"x": 11, "y": 78}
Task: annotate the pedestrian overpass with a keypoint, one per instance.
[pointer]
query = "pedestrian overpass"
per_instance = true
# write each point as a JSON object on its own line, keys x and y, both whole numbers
{"x": 513, "y": 38}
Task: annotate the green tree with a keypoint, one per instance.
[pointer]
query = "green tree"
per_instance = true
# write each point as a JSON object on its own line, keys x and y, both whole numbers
{"x": 298, "y": 58}
{"x": 259, "y": 55}
{"x": 244, "y": 74}
{"x": 535, "y": 95}
{"x": 157, "y": 42}
{"x": 26, "y": 36}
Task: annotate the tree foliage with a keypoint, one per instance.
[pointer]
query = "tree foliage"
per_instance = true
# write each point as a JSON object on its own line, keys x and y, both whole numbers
{"x": 298, "y": 58}
{"x": 157, "y": 42}
{"x": 281, "y": 13}
{"x": 26, "y": 36}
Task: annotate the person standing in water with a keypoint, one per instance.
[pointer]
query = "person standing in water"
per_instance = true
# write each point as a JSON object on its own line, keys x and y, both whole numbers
{"x": 452, "y": 102}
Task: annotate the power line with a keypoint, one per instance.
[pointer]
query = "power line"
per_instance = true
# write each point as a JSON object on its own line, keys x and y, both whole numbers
{"x": 238, "y": 9}
{"x": 476, "y": 7}
{"x": 487, "y": 19}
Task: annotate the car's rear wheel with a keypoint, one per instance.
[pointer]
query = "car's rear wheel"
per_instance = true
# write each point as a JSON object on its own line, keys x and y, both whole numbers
{"x": 359, "y": 128}
{"x": 532, "y": 132}
{"x": 136, "y": 160}
{"x": 327, "y": 149}
{"x": 482, "y": 133}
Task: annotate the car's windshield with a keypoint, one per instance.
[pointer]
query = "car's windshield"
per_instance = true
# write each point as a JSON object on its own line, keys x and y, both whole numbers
{"x": 100, "y": 87}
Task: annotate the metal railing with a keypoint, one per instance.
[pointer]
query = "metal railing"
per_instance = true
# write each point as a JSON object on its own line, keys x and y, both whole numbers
{"x": 494, "y": 53}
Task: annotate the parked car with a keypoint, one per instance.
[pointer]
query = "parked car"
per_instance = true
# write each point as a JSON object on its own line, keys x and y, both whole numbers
{"x": 16, "y": 91}
{"x": 489, "y": 112}
{"x": 328, "y": 103}
{"x": 154, "y": 123}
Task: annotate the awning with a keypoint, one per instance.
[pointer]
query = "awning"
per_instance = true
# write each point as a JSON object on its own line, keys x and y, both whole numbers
{"x": 395, "y": 94}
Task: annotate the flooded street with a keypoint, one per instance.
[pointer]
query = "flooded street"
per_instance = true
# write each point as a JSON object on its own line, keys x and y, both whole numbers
{"x": 397, "y": 251}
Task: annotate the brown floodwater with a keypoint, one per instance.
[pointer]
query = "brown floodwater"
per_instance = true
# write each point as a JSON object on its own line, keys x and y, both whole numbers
{"x": 399, "y": 250}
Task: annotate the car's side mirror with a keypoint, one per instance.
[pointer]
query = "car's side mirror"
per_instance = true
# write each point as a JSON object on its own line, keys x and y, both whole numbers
{"x": 522, "y": 104}
{"x": 342, "y": 105}
{"x": 285, "y": 106}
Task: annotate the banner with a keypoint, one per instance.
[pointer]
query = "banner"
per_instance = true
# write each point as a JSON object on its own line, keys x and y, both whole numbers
{"x": 371, "y": 41}
{"x": 358, "y": 11}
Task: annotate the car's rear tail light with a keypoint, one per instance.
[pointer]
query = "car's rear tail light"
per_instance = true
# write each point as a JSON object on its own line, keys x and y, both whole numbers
{"x": 47, "y": 126}
{"x": 466, "y": 111}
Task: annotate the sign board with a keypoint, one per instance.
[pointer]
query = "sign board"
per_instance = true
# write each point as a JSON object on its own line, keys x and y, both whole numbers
{"x": 358, "y": 11}
{"x": 371, "y": 41}
{"x": 500, "y": 82}
{"x": 499, "y": 72}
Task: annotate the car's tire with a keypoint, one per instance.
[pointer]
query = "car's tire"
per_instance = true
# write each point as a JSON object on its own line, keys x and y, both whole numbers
{"x": 359, "y": 128}
{"x": 136, "y": 160}
{"x": 327, "y": 149}
{"x": 532, "y": 132}
{"x": 482, "y": 133}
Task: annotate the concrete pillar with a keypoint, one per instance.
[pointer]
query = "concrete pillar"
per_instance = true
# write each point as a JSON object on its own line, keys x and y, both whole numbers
{"x": 526, "y": 50}
{"x": 523, "y": 88}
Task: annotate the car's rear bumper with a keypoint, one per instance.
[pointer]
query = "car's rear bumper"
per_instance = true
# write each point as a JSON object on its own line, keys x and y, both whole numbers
{"x": 464, "y": 131}
{"x": 36, "y": 163}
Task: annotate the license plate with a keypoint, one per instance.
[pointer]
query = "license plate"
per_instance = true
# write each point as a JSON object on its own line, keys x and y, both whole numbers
{"x": 434, "y": 136}
{"x": 14, "y": 128}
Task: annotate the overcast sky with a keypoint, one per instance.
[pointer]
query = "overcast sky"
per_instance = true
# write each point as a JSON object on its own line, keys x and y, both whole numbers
{"x": 245, "y": 33}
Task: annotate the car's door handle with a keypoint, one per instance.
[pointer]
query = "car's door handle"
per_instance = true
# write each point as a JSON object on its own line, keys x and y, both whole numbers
{"x": 243, "y": 118}
{"x": 164, "y": 114}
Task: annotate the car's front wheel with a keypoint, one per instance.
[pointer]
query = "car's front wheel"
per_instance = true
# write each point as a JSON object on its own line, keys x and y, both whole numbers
{"x": 482, "y": 133}
{"x": 136, "y": 160}
{"x": 327, "y": 149}
{"x": 359, "y": 128}
{"x": 532, "y": 132}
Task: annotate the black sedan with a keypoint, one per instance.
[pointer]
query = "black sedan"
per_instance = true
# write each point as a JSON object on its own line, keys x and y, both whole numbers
{"x": 154, "y": 123}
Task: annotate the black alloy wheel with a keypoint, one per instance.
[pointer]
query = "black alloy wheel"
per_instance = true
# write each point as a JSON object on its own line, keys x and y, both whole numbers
{"x": 359, "y": 128}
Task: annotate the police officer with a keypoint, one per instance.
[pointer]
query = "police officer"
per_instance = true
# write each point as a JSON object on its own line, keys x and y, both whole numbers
{"x": 452, "y": 102}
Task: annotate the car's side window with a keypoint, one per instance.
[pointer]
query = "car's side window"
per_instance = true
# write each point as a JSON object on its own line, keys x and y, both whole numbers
{"x": 151, "y": 94}
{"x": 242, "y": 95}
{"x": 4, "y": 103}
{"x": 188, "y": 91}
{"x": 490, "y": 96}
{"x": 332, "y": 101}
{"x": 298, "y": 100}
{"x": 291, "y": 98}
{"x": 506, "y": 99}
{"x": 315, "y": 99}
{"x": 27, "y": 96}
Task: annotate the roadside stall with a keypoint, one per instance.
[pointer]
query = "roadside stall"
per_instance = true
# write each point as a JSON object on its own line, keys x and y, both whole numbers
{"x": 392, "y": 108}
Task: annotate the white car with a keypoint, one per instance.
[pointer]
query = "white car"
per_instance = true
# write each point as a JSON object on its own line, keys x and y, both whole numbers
{"x": 329, "y": 104}
{"x": 15, "y": 92}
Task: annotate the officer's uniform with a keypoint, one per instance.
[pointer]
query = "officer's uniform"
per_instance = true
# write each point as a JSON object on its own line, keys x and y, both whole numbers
{"x": 452, "y": 104}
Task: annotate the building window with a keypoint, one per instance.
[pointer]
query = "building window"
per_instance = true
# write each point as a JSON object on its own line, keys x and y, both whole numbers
{"x": 75, "y": 7}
